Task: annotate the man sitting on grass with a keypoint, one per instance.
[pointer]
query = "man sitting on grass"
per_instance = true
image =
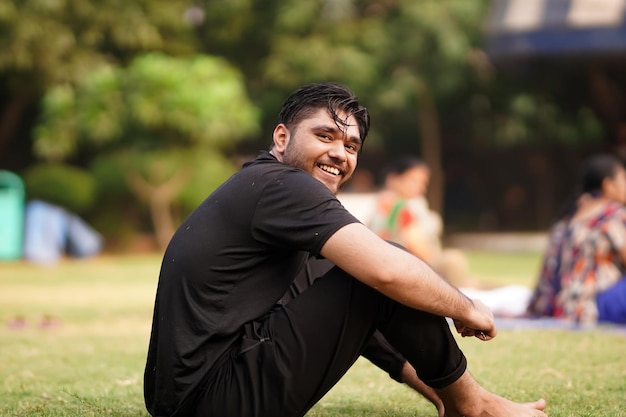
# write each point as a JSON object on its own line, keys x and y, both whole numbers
{"x": 222, "y": 346}
{"x": 377, "y": 350}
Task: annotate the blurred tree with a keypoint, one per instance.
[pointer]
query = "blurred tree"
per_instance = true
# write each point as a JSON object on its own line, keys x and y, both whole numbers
{"x": 542, "y": 109}
{"x": 45, "y": 43}
{"x": 160, "y": 122}
{"x": 404, "y": 58}
{"x": 419, "y": 66}
{"x": 64, "y": 185}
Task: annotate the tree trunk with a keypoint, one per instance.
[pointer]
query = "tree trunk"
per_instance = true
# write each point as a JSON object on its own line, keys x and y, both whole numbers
{"x": 10, "y": 118}
{"x": 428, "y": 124}
{"x": 608, "y": 102}
{"x": 159, "y": 199}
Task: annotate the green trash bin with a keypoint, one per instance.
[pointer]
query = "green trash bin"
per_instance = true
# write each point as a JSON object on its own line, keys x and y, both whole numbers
{"x": 12, "y": 198}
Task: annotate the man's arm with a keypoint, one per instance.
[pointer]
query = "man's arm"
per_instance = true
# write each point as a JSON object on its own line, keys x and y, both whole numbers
{"x": 405, "y": 278}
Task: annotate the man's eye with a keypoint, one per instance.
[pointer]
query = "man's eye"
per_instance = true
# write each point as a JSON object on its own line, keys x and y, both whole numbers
{"x": 352, "y": 148}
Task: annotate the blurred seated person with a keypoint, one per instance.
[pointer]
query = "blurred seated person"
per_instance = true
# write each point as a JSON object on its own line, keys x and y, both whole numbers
{"x": 582, "y": 275}
{"x": 402, "y": 215}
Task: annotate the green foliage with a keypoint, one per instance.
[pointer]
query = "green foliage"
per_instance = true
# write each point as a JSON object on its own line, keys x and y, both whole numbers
{"x": 154, "y": 120}
{"x": 529, "y": 118}
{"x": 67, "y": 186}
{"x": 210, "y": 170}
{"x": 429, "y": 40}
{"x": 52, "y": 42}
{"x": 158, "y": 102}
{"x": 202, "y": 171}
{"x": 389, "y": 53}
{"x": 202, "y": 98}
{"x": 110, "y": 177}
{"x": 115, "y": 75}
{"x": 392, "y": 54}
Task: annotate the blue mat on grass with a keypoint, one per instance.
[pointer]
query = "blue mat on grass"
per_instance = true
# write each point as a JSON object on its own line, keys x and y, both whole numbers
{"x": 508, "y": 323}
{"x": 522, "y": 323}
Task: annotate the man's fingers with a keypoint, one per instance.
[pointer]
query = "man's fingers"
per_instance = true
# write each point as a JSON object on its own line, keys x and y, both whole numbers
{"x": 465, "y": 331}
{"x": 482, "y": 336}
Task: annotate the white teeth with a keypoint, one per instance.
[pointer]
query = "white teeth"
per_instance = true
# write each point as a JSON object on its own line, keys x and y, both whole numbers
{"x": 332, "y": 170}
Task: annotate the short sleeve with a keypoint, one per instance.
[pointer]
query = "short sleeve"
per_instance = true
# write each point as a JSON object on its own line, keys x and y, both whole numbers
{"x": 297, "y": 211}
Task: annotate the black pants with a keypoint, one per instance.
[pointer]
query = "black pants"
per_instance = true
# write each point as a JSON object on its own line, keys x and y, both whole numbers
{"x": 290, "y": 359}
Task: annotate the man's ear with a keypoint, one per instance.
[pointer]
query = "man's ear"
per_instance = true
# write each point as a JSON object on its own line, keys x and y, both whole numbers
{"x": 281, "y": 138}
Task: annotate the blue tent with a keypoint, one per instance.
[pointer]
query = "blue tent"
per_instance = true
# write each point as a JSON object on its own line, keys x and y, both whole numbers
{"x": 538, "y": 29}
{"x": 51, "y": 231}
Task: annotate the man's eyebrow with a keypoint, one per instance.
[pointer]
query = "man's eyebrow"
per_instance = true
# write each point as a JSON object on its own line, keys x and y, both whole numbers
{"x": 334, "y": 129}
{"x": 326, "y": 128}
{"x": 357, "y": 140}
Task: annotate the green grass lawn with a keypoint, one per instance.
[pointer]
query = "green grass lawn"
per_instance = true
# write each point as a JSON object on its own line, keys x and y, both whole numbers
{"x": 89, "y": 361}
{"x": 504, "y": 268}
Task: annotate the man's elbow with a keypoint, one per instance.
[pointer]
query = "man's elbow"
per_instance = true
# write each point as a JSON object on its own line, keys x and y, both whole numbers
{"x": 382, "y": 278}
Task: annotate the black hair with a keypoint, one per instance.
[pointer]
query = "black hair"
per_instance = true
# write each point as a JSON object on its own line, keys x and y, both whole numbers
{"x": 594, "y": 170}
{"x": 334, "y": 97}
{"x": 591, "y": 174}
{"x": 398, "y": 166}
{"x": 402, "y": 164}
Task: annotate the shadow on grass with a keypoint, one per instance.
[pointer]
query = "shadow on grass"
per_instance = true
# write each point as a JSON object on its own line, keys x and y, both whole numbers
{"x": 365, "y": 410}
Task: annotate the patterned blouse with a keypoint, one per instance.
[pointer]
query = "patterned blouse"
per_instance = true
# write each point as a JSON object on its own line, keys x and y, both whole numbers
{"x": 582, "y": 260}
{"x": 394, "y": 215}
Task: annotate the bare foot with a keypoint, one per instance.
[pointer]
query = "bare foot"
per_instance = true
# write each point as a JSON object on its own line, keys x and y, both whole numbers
{"x": 496, "y": 406}
{"x": 465, "y": 398}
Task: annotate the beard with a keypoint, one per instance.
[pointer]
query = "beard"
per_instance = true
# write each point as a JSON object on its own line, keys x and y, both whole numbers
{"x": 294, "y": 157}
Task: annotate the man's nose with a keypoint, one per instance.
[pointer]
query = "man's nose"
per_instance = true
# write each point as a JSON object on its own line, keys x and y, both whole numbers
{"x": 338, "y": 150}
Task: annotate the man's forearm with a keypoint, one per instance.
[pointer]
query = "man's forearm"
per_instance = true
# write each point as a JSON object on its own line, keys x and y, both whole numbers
{"x": 401, "y": 276}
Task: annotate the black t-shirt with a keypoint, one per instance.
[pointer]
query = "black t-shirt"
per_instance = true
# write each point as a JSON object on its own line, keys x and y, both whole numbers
{"x": 229, "y": 263}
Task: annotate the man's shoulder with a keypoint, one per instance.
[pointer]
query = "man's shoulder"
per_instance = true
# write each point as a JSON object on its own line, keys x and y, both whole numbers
{"x": 267, "y": 169}
{"x": 266, "y": 163}
{"x": 263, "y": 158}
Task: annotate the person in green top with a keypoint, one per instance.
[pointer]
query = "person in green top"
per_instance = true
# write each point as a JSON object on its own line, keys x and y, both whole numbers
{"x": 401, "y": 214}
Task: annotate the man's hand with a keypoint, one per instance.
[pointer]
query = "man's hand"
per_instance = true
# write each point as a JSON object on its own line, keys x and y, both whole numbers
{"x": 479, "y": 324}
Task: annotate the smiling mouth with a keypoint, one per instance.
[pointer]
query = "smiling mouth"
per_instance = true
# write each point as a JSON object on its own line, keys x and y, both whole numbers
{"x": 329, "y": 169}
